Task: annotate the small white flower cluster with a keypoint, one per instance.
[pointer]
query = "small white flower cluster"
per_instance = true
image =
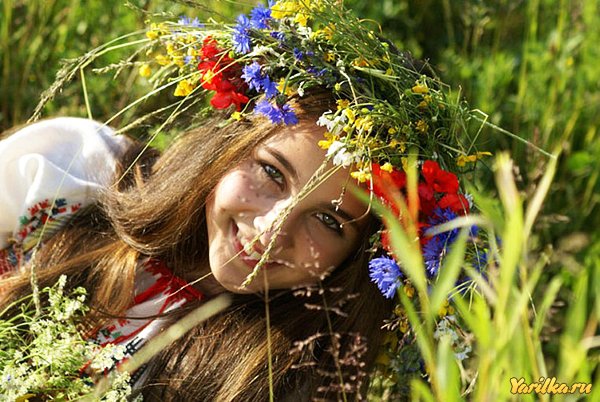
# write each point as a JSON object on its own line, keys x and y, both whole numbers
{"x": 63, "y": 308}
{"x": 333, "y": 124}
{"x": 120, "y": 390}
{"x": 341, "y": 156}
{"x": 45, "y": 356}
{"x": 446, "y": 327}
{"x": 107, "y": 357}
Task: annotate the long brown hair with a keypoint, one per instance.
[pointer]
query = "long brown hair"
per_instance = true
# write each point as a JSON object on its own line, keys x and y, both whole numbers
{"x": 319, "y": 336}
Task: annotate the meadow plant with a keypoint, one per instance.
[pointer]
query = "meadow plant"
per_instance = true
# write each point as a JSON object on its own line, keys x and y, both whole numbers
{"x": 43, "y": 354}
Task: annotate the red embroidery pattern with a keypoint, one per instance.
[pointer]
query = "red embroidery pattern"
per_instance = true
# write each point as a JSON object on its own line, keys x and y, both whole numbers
{"x": 44, "y": 214}
{"x": 162, "y": 292}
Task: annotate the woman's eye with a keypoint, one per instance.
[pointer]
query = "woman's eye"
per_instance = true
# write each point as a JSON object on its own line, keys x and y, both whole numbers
{"x": 274, "y": 174}
{"x": 329, "y": 221}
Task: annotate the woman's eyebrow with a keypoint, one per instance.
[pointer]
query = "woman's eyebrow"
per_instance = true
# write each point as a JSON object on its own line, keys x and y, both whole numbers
{"x": 286, "y": 164}
{"x": 347, "y": 217}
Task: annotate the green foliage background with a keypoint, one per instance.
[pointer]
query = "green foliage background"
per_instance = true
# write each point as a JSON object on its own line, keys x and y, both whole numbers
{"x": 532, "y": 66}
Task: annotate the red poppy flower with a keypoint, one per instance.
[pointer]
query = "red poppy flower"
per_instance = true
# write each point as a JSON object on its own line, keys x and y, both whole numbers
{"x": 384, "y": 182}
{"x": 224, "y": 99}
{"x": 440, "y": 180}
{"x": 426, "y": 198}
{"x": 220, "y": 73}
{"x": 209, "y": 48}
{"x": 456, "y": 202}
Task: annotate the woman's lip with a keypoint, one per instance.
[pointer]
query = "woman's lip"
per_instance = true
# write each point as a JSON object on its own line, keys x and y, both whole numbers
{"x": 239, "y": 250}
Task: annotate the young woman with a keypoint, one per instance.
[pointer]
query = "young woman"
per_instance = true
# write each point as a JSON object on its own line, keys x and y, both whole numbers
{"x": 260, "y": 207}
{"x": 194, "y": 213}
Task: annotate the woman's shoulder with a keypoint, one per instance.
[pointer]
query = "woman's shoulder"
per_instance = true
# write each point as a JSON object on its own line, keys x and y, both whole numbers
{"x": 63, "y": 138}
{"x": 51, "y": 169}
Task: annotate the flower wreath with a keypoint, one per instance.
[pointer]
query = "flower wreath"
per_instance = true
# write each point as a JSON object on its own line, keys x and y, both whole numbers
{"x": 387, "y": 108}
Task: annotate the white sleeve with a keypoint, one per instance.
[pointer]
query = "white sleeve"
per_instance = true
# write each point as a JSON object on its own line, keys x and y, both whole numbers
{"x": 53, "y": 168}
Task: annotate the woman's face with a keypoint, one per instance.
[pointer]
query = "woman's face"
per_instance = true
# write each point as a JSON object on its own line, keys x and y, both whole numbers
{"x": 315, "y": 236}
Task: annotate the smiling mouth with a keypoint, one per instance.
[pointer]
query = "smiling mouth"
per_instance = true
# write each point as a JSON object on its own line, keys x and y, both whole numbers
{"x": 243, "y": 248}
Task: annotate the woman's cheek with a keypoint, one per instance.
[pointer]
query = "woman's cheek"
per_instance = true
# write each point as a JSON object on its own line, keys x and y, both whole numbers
{"x": 233, "y": 191}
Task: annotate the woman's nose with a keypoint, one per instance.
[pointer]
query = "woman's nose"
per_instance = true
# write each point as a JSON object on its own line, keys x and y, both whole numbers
{"x": 274, "y": 223}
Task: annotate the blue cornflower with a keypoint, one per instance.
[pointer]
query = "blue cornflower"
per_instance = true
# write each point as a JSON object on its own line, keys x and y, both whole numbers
{"x": 437, "y": 246}
{"x": 385, "y": 273}
{"x": 298, "y": 54}
{"x": 269, "y": 87}
{"x": 241, "y": 35}
{"x": 188, "y": 59}
{"x": 315, "y": 71}
{"x": 183, "y": 20}
{"x": 284, "y": 114}
{"x": 256, "y": 80}
{"x": 433, "y": 252}
{"x": 252, "y": 76}
{"x": 259, "y": 16}
{"x": 280, "y": 36}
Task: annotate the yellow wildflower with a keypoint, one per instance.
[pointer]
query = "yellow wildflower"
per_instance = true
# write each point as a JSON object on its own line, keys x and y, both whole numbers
{"x": 360, "y": 62}
{"x": 184, "y": 88}
{"x": 329, "y": 139}
{"x": 420, "y": 89}
{"x": 342, "y": 104}
{"x": 145, "y": 70}
{"x": 446, "y": 309}
{"x": 350, "y": 115}
{"x": 189, "y": 38}
{"x": 178, "y": 60}
{"x": 328, "y": 31}
{"x": 425, "y": 102}
{"x": 301, "y": 19}
{"x": 364, "y": 124}
{"x": 288, "y": 89}
{"x": 329, "y": 56}
{"x": 398, "y": 144}
{"x": 387, "y": 167}
{"x": 392, "y": 130}
{"x": 284, "y": 8}
{"x": 236, "y": 116}
{"x": 156, "y": 31}
{"x": 361, "y": 175}
{"x": 152, "y": 35}
{"x": 170, "y": 48}
{"x": 163, "y": 60}
{"x": 389, "y": 71}
{"x": 462, "y": 160}
{"x": 422, "y": 126}
{"x": 337, "y": 87}
{"x": 409, "y": 290}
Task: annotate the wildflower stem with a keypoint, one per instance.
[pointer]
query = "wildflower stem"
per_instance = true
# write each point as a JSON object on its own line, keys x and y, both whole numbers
{"x": 88, "y": 109}
{"x": 269, "y": 346}
{"x": 514, "y": 136}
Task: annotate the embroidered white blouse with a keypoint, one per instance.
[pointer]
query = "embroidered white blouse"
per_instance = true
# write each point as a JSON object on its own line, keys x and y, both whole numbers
{"x": 48, "y": 171}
